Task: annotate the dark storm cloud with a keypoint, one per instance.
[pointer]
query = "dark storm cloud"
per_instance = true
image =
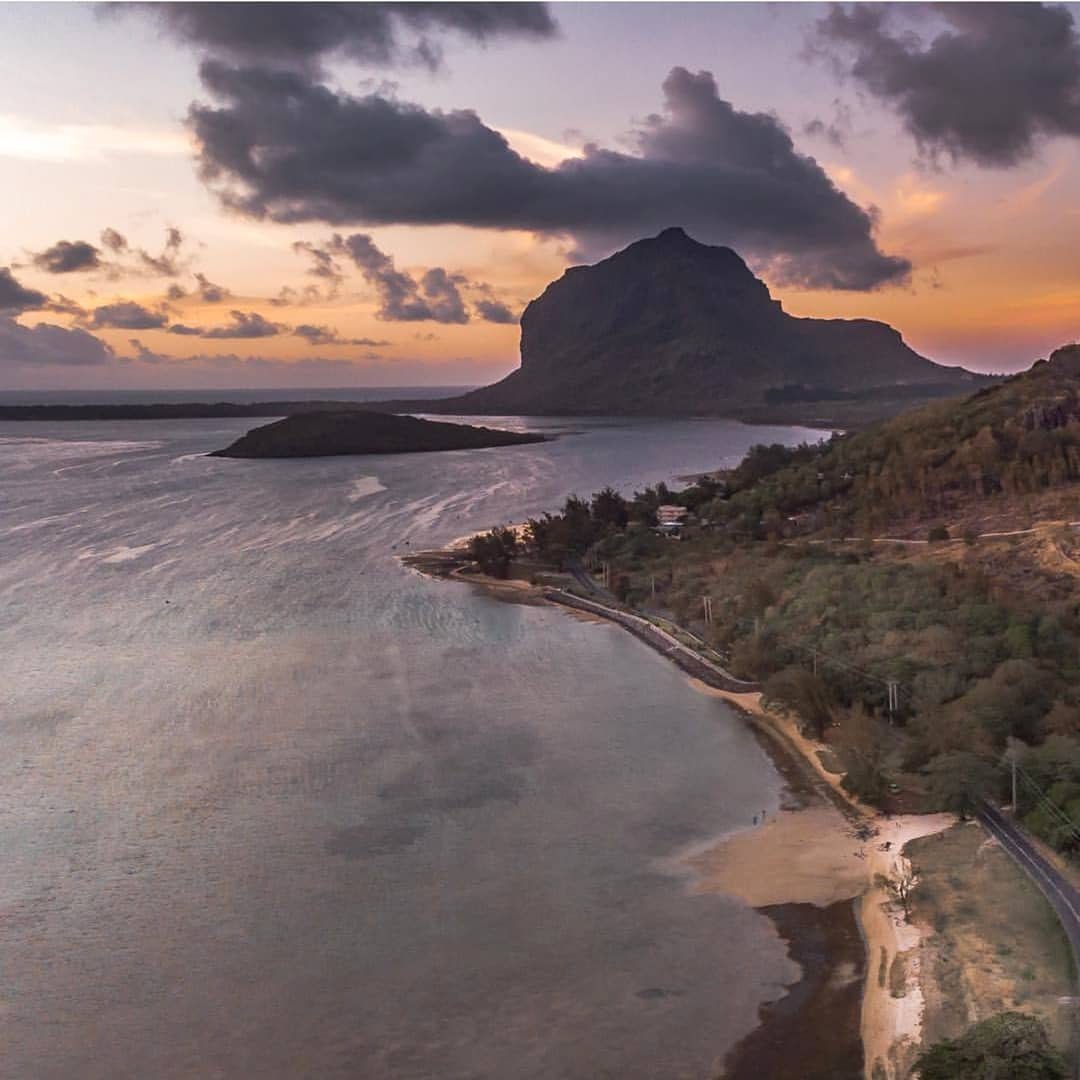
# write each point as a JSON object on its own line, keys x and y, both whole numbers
{"x": 68, "y": 257}
{"x": 494, "y": 311}
{"x": 401, "y": 297}
{"x": 986, "y": 88}
{"x": 327, "y": 335}
{"x": 126, "y": 315}
{"x": 48, "y": 344}
{"x": 15, "y": 298}
{"x": 301, "y": 35}
{"x": 241, "y": 325}
{"x": 283, "y": 147}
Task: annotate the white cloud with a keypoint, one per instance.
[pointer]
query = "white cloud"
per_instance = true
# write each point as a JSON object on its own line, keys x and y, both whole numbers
{"x": 546, "y": 152}
{"x": 28, "y": 141}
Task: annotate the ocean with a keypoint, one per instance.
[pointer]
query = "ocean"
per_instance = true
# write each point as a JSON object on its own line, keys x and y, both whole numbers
{"x": 273, "y": 805}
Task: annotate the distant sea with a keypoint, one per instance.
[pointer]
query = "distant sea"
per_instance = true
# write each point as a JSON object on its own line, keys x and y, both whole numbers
{"x": 237, "y": 394}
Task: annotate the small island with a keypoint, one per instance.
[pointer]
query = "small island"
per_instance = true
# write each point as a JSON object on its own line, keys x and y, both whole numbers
{"x": 324, "y": 434}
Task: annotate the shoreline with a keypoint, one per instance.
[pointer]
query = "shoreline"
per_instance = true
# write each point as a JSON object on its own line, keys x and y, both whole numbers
{"x": 804, "y": 869}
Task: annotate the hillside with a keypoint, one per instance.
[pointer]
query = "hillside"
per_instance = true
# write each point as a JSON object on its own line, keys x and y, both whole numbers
{"x": 1019, "y": 438}
{"x": 672, "y": 326}
{"x": 324, "y": 434}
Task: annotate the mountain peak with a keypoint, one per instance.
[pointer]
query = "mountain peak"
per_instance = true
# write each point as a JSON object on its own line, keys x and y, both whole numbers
{"x": 672, "y": 325}
{"x": 674, "y": 233}
{"x": 676, "y": 244}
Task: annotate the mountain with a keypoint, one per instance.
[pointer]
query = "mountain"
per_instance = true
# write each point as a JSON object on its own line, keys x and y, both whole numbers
{"x": 322, "y": 434}
{"x": 671, "y": 326}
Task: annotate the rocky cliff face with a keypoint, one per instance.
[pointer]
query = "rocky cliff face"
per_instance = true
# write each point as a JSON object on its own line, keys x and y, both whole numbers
{"x": 669, "y": 325}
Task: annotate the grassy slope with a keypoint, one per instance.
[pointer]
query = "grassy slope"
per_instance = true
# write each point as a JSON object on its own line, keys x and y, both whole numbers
{"x": 993, "y": 943}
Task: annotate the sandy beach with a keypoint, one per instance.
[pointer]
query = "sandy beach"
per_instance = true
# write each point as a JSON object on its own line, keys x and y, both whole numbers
{"x": 892, "y": 1022}
{"x": 821, "y": 854}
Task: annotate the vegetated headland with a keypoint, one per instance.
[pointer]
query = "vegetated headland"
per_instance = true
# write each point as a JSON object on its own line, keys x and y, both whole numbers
{"x": 324, "y": 434}
{"x": 906, "y": 599}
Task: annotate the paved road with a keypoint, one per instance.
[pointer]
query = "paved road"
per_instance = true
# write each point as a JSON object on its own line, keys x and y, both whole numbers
{"x": 1064, "y": 897}
{"x": 588, "y": 582}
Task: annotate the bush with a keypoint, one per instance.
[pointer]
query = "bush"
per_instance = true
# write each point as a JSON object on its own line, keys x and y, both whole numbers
{"x": 960, "y": 781}
{"x": 1009, "y": 1046}
{"x": 804, "y": 694}
{"x": 864, "y": 779}
{"x": 938, "y": 532}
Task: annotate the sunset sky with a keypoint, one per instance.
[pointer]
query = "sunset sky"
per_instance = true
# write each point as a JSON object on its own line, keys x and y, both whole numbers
{"x": 338, "y": 195}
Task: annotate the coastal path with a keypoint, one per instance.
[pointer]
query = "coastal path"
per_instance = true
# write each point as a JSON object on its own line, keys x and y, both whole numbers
{"x": 690, "y": 661}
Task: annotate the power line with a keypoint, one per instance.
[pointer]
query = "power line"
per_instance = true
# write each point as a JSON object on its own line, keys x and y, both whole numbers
{"x": 894, "y": 688}
{"x": 1043, "y": 800}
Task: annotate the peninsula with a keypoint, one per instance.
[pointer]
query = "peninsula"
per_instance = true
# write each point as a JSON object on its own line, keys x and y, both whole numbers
{"x": 324, "y": 434}
{"x": 673, "y": 327}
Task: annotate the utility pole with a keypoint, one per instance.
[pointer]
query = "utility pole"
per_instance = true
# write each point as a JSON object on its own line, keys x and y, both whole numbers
{"x": 813, "y": 659}
{"x": 1012, "y": 761}
{"x": 707, "y": 604}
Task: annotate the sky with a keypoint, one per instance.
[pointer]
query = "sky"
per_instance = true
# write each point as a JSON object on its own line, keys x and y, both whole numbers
{"x": 253, "y": 195}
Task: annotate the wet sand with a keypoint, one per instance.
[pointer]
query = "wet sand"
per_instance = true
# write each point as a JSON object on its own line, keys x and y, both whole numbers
{"x": 813, "y": 856}
{"x": 809, "y": 856}
{"x": 805, "y": 869}
{"x": 812, "y": 1032}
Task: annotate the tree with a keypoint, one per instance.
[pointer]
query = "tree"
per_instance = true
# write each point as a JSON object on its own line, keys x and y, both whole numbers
{"x": 803, "y": 693}
{"x": 609, "y": 509}
{"x": 900, "y": 884}
{"x": 863, "y": 755}
{"x": 1009, "y": 1046}
{"x": 493, "y": 551}
{"x": 960, "y": 781}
